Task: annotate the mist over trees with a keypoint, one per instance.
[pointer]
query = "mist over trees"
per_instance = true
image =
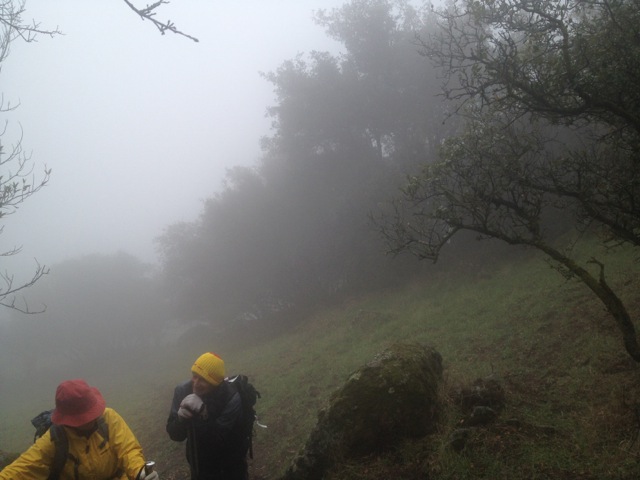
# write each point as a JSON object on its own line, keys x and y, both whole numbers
{"x": 99, "y": 308}
{"x": 19, "y": 179}
{"x": 550, "y": 95}
{"x": 294, "y": 230}
{"x": 534, "y": 133}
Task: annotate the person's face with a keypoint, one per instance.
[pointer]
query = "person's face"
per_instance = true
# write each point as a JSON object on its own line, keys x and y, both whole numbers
{"x": 85, "y": 429}
{"x": 200, "y": 386}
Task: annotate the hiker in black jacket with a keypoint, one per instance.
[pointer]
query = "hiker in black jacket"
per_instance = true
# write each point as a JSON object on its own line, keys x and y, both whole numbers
{"x": 207, "y": 412}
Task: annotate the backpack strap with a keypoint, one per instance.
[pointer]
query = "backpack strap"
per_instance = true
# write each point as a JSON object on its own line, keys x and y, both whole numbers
{"x": 103, "y": 430}
{"x": 61, "y": 442}
{"x": 248, "y": 396}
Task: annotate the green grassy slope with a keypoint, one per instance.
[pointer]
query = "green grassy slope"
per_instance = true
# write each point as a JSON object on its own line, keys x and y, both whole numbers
{"x": 572, "y": 392}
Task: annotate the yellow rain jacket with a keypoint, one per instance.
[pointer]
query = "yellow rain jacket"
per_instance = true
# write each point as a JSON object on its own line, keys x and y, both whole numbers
{"x": 121, "y": 454}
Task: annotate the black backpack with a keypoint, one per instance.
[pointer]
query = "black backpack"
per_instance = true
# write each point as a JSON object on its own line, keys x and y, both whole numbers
{"x": 42, "y": 423}
{"x": 248, "y": 396}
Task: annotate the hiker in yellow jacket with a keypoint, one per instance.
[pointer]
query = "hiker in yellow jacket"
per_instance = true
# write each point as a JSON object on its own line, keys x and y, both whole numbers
{"x": 100, "y": 444}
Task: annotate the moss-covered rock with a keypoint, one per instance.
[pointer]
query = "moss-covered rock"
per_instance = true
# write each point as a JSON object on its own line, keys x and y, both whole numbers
{"x": 393, "y": 397}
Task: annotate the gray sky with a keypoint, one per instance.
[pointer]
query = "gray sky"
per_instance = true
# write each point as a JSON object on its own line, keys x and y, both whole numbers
{"x": 139, "y": 128}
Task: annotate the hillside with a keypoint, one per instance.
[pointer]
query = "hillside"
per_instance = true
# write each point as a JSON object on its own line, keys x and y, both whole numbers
{"x": 572, "y": 393}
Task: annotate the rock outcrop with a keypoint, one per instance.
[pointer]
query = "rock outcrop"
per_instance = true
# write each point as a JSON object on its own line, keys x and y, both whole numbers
{"x": 393, "y": 397}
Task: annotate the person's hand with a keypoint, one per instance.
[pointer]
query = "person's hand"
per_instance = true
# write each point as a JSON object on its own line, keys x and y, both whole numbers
{"x": 185, "y": 413}
{"x": 148, "y": 476}
{"x": 193, "y": 402}
{"x": 190, "y": 405}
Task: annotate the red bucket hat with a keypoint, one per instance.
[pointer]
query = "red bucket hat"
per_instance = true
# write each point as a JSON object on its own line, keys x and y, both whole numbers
{"x": 77, "y": 403}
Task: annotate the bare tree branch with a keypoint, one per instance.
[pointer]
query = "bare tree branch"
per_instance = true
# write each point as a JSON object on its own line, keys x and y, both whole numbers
{"x": 148, "y": 13}
{"x": 17, "y": 180}
{"x": 12, "y": 26}
{"x": 9, "y": 291}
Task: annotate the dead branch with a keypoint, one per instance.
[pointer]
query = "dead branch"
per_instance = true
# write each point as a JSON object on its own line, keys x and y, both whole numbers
{"x": 8, "y": 292}
{"x": 148, "y": 13}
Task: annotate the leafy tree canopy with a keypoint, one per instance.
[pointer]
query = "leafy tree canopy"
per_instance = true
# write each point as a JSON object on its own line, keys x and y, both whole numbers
{"x": 294, "y": 230}
{"x": 550, "y": 91}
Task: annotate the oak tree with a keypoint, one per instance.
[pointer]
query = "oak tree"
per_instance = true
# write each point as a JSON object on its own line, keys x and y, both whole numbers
{"x": 551, "y": 95}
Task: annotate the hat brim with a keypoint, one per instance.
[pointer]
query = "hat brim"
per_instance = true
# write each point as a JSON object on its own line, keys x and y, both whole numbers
{"x": 76, "y": 420}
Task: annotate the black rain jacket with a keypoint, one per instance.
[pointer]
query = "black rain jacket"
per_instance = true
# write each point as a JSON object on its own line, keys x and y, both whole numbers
{"x": 215, "y": 447}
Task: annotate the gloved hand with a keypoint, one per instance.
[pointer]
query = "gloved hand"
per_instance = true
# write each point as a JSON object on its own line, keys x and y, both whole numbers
{"x": 190, "y": 405}
{"x": 185, "y": 413}
{"x": 148, "y": 476}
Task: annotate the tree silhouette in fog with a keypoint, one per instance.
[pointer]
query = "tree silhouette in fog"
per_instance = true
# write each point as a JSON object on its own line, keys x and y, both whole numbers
{"x": 550, "y": 91}
{"x": 293, "y": 230}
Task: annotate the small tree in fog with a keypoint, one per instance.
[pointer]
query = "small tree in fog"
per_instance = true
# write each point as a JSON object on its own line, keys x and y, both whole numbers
{"x": 17, "y": 179}
{"x": 551, "y": 93}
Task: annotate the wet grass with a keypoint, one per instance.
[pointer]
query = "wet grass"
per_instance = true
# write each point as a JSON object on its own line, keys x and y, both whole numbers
{"x": 572, "y": 392}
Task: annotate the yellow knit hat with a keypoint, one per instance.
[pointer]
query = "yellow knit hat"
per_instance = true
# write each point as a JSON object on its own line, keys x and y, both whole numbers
{"x": 210, "y": 367}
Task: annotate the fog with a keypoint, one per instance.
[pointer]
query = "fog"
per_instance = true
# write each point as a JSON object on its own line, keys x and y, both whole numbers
{"x": 137, "y": 127}
{"x": 367, "y": 170}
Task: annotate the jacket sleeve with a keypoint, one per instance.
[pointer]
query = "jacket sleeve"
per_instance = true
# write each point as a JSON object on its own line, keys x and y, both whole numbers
{"x": 34, "y": 464}
{"x": 125, "y": 444}
{"x": 176, "y": 427}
